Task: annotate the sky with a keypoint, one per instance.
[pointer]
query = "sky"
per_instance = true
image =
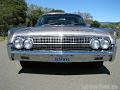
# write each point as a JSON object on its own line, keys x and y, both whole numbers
{"x": 101, "y": 10}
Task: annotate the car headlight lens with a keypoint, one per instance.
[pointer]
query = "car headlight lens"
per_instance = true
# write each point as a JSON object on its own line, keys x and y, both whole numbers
{"x": 105, "y": 44}
{"x": 28, "y": 43}
{"x": 18, "y": 43}
{"x": 95, "y": 44}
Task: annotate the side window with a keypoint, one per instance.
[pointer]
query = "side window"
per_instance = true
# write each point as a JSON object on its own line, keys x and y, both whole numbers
{"x": 40, "y": 21}
{"x": 81, "y": 20}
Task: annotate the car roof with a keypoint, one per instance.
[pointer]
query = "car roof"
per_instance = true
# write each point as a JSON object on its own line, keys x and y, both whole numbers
{"x": 61, "y": 13}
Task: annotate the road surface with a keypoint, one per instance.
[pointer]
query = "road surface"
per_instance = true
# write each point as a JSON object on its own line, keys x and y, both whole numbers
{"x": 61, "y": 77}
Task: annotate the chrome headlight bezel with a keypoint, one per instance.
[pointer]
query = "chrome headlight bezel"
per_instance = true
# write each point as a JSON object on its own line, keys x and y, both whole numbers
{"x": 28, "y": 43}
{"x": 95, "y": 44}
{"x": 105, "y": 44}
{"x": 18, "y": 43}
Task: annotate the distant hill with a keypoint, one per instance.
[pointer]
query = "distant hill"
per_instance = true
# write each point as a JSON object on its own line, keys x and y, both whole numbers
{"x": 106, "y": 22}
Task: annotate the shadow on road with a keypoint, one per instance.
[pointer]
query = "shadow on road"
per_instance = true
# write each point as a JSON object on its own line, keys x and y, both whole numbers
{"x": 65, "y": 69}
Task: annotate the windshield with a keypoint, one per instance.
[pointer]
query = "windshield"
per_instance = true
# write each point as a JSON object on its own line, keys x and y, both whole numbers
{"x": 60, "y": 19}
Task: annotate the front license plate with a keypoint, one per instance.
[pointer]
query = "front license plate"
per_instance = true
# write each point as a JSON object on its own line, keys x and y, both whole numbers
{"x": 62, "y": 59}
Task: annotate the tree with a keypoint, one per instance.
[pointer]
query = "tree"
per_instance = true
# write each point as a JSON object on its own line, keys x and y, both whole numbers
{"x": 33, "y": 13}
{"x": 95, "y": 24}
{"x": 86, "y": 16}
{"x": 114, "y": 26}
{"x": 13, "y": 13}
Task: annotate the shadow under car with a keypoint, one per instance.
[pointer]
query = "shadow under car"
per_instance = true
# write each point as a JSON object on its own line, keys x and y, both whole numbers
{"x": 65, "y": 69}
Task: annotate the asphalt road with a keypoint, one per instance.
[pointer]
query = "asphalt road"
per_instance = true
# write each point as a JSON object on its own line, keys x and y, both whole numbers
{"x": 58, "y": 77}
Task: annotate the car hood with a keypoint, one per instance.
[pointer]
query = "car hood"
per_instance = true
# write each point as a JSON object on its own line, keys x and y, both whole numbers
{"x": 62, "y": 30}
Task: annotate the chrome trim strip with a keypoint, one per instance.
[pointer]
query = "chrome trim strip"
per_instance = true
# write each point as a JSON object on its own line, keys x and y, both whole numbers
{"x": 63, "y": 62}
{"x": 38, "y": 52}
{"x": 60, "y": 43}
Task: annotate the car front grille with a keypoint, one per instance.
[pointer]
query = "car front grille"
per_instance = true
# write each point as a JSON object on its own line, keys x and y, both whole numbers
{"x": 61, "y": 42}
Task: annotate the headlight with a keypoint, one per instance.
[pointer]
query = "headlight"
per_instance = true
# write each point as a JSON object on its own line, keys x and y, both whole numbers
{"x": 18, "y": 43}
{"x": 28, "y": 43}
{"x": 105, "y": 44}
{"x": 95, "y": 44}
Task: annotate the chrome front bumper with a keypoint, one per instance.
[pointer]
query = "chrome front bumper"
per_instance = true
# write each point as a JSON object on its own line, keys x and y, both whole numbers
{"x": 50, "y": 55}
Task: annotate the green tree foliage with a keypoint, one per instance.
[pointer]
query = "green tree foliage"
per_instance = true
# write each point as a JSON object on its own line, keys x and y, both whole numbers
{"x": 114, "y": 26}
{"x": 86, "y": 16}
{"x": 13, "y": 13}
{"x": 95, "y": 24}
{"x": 16, "y": 13}
{"x": 111, "y": 25}
{"x": 33, "y": 13}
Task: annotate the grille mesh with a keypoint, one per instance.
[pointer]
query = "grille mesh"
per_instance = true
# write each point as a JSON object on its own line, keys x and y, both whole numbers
{"x": 61, "y": 43}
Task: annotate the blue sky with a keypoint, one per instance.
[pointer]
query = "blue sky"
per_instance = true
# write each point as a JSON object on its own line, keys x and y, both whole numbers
{"x": 101, "y": 10}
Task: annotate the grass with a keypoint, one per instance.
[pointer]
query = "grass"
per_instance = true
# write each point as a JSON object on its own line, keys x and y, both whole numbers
{"x": 118, "y": 34}
{"x": 2, "y": 38}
